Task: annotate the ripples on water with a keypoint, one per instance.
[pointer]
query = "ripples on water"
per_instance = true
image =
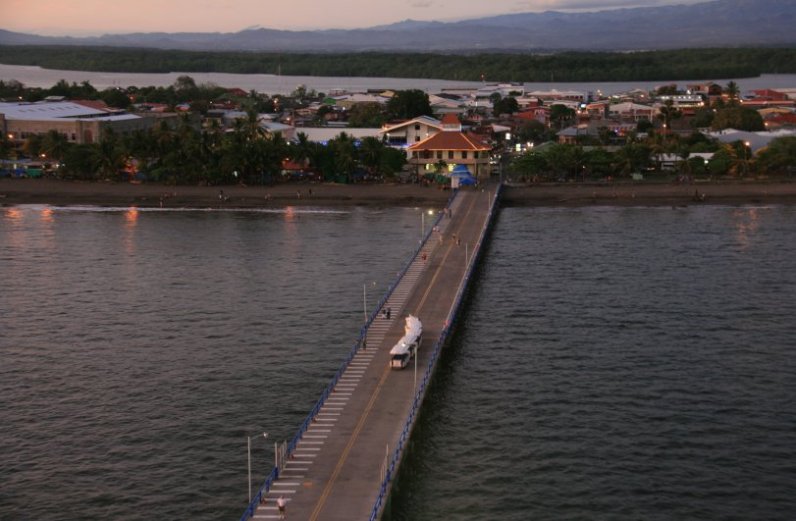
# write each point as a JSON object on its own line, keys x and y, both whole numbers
{"x": 138, "y": 349}
{"x": 618, "y": 363}
{"x": 614, "y": 363}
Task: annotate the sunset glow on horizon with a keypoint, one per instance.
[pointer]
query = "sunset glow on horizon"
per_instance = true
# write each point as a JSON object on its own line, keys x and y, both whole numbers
{"x": 95, "y": 18}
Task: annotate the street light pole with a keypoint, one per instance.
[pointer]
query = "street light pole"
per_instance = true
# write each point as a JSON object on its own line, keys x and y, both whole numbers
{"x": 249, "y": 446}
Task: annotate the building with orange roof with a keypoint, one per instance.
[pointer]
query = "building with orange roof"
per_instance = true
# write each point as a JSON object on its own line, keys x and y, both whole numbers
{"x": 443, "y": 151}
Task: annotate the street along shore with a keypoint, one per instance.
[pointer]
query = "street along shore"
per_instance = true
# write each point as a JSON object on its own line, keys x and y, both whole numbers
{"x": 72, "y": 193}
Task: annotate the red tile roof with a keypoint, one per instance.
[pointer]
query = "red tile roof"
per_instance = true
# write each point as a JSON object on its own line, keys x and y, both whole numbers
{"x": 450, "y": 119}
{"x": 451, "y": 141}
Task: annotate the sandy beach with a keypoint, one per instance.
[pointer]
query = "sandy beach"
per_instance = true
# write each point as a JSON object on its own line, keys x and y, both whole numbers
{"x": 70, "y": 193}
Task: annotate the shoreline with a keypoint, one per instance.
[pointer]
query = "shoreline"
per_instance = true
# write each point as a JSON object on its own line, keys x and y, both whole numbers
{"x": 105, "y": 194}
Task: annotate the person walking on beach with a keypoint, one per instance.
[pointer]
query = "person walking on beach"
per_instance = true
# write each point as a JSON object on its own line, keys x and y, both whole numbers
{"x": 280, "y": 504}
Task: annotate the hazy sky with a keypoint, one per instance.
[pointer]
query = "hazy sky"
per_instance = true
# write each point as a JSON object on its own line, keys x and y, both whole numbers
{"x": 95, "y": 17}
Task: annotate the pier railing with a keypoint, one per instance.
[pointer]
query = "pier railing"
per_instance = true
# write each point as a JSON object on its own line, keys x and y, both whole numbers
{"x": 409, "y": 424}
{"x": 291, "y": 446}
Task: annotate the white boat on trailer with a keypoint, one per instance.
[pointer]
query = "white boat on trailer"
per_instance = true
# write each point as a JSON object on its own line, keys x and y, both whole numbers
{"x": 407, "y": 346}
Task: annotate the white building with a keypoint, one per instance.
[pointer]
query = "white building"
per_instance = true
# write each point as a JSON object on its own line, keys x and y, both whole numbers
{"x": 412, "y": 131}
{"x": 80, "y": 121}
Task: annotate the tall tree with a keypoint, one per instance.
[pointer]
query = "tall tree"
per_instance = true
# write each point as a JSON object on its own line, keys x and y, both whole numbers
{"x": 779, "y": 157}
{"x": 110, "y": 156}
{"x": 301, "y": 151}
{"x": 667, "y": 113}
{"x": 370, "y": 115}
{"x": 632, "y": 158}
{"x": 738, "y": 117}
{"x": 507, "y": 105}
{"x": 6, "y": 147}
{"x": 344, "y": 153}
{"x": 54, "y": 145}
{"x": 561, "y": 115}
{"x": 408, "y": 104}
{"x": 370, "y": 152}
{"x": 732, "y": 93}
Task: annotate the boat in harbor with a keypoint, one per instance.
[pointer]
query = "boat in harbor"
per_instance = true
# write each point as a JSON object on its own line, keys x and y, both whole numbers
{"x": 406, "y": 348}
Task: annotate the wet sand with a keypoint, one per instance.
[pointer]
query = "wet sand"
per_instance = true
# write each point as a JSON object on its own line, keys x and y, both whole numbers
{"x": 70, "y": 193}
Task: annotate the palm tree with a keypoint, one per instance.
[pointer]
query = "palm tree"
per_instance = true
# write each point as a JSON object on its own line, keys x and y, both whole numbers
{"x": 344, "y": 153}
{"x": 301, "y": 152}
{"x": 210, "y": 146}
{"x": 54, "y": 145}
{"x": 667, "y": 113}
{"x": 370, "y": 153}
{"x": 732, "y": 92}
{"x": 6, "y": 146}
{"x": 110, "y": 156}
{"x": 632, "y": 158}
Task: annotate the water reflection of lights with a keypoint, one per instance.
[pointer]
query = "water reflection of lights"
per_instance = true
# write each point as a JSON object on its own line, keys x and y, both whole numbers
{"x": 746, "y": 224}
{"x": 131, "y": 216}
{"x": 47, "y": 214}
{"x": 14, "y": 214}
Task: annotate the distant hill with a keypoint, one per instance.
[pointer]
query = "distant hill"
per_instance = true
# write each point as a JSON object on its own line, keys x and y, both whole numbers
{"x": 719, "y": 23}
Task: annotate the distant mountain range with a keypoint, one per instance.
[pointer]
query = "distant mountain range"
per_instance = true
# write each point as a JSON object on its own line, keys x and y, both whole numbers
{"x": 719, "y": 23}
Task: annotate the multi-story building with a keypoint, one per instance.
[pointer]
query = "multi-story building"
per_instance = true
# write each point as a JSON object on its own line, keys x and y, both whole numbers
{"x": 448, "y": 148}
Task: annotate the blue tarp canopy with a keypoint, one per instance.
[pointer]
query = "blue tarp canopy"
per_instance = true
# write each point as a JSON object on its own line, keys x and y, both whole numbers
{"x": 463, "y": 175}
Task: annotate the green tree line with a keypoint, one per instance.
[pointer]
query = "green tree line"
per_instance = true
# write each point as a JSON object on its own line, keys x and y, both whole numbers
{"x": 590, "y": 161}
{"x": 186, "y": 154}
{"x": 521, "y": 67}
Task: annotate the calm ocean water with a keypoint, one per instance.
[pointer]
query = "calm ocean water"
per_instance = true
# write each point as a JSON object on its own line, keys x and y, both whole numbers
{"x": 613, "y": 363}
{"x": 618, "y": 363}
{"x": 138, "y": 349}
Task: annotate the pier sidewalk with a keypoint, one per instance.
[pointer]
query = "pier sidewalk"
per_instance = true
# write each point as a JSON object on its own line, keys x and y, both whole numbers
{"x": 337, "y": 468}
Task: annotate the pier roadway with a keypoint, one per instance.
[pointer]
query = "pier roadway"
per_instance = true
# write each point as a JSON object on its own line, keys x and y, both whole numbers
{"x": 336, "y": 470}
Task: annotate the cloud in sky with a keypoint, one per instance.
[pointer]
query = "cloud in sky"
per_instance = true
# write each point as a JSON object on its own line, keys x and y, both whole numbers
{"x": 56, "y": 17}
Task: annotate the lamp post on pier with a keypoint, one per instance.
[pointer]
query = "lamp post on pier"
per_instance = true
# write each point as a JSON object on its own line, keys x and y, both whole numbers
{"x": 423, "y": 222}
{"x": 249, "y": 446}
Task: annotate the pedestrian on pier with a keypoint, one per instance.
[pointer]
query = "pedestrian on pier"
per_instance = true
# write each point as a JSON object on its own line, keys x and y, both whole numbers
{"x": 280, "y": 503}
{"x": 389, "y": 313}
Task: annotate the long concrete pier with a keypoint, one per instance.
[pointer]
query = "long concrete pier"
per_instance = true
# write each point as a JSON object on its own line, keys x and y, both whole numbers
{"x": 340, "y": 465}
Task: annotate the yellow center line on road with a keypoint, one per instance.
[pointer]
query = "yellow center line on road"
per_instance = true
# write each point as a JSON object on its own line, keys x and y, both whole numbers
{"x": 444, "y": 259}
{"x": 361, "y": 423}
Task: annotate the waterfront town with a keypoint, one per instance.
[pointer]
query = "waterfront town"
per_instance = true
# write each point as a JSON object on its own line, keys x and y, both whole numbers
{"x": 207, "y": 135}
